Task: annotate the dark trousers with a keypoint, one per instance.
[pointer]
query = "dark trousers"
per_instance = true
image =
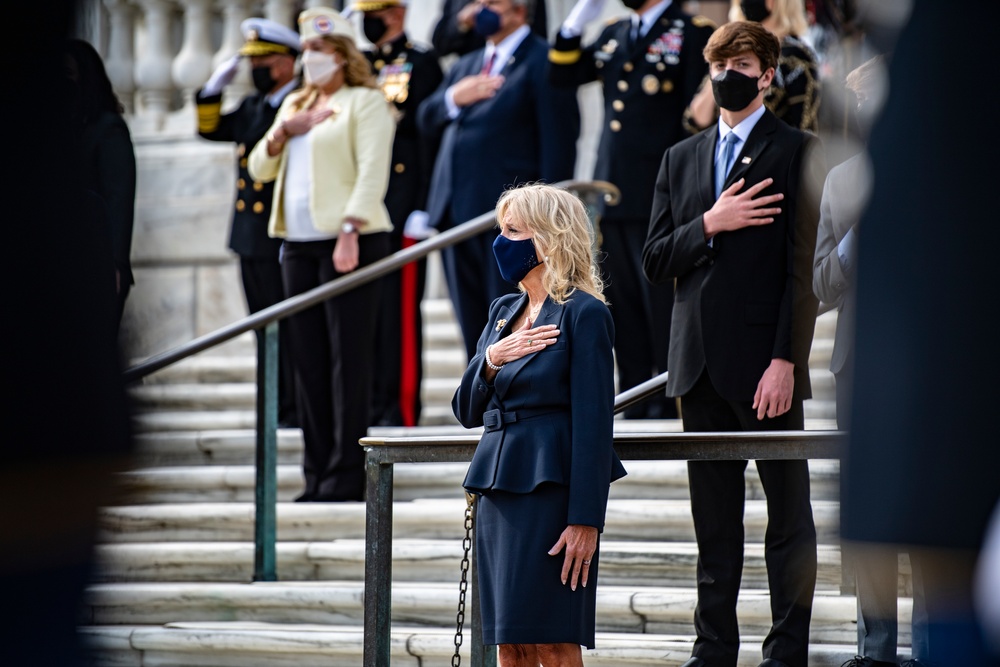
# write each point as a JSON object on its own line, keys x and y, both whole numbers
{"x": 641, "y": 313}
{"x": 399, "y": 366}
{"x": 718, "y": 491}
{"x": 263, "y": 287}
{"x": 333, "y": 348}
{"x": 474, "y": 281}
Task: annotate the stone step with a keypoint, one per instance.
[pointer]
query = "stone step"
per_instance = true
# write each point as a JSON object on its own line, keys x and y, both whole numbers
{"x": 649, "y": 610}
{"x": 233, "y": 483}
{"x": 254, "y": 644}
{"x": 242, "y": 396}
{"x": 210, "y": 447}
{"x": 622, "y": 563}
{"x": 439, "y": 361}
{"x": 161, "y": 421}
{"x": 640, "y": 520}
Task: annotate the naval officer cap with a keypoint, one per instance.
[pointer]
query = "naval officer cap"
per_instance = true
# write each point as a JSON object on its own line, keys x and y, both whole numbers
{"x": 322, "y": 22}
{"x": 264, "y": 37}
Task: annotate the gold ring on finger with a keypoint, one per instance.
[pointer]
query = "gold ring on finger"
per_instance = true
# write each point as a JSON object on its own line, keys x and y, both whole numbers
{"x": 531, "y": 342}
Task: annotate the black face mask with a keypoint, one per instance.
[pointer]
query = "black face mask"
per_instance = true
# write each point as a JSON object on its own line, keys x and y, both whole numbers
{"x": 374, "y": 28}
{"x": 634, "y": 5}
{"x": 262, "y": 79}
{"x": 755, "y": 10}
{"x": 734, "y": 91}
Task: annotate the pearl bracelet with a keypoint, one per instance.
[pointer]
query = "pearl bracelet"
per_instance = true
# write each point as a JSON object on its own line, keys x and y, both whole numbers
{"x": 489, "y": 362}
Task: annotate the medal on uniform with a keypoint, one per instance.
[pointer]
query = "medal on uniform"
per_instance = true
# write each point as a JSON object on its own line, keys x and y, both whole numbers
{"x": 610, "y": 46}
{"x": 650, "y": 84}
{"x": 394, "y": 80}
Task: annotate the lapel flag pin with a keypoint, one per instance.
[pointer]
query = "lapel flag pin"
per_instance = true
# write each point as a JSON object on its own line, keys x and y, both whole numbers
{"x": 746, "y": 160}
{"x": 501, "y": 324}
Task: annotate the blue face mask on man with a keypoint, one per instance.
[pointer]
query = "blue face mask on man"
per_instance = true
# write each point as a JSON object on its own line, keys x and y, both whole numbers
{"x": 487, "y": 23}
{"x": 514, "y": 258}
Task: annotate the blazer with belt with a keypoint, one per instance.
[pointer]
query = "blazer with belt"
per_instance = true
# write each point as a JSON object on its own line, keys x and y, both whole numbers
{"x": 351, "y": 152}
{"x": 527, "y": 132}
{"x": 548, "y": 415}
{"x": 748, "y": 298}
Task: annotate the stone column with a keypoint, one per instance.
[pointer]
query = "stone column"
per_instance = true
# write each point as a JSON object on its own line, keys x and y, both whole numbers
{"x": 233, "y": 13}
{"x": 152, "y": 72}
{"x": 193, "y": 64}
{"x": 283, "y": 12}
{"x": 120, "y": 59}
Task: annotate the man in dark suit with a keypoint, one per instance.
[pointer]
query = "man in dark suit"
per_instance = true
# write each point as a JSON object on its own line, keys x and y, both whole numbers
{"x": 271, "y": 49}
{"x": 650, "y": 65}
{"x": 734, "y": 223}
{"x": 407, "y": 74}
{"x": 455, "y": 32}
{"x": 502, "y": 124}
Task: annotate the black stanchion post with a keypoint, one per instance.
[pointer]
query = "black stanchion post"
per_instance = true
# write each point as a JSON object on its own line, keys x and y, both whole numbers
{"x": 378, "y": 561}
{"x": 266, "y": 489}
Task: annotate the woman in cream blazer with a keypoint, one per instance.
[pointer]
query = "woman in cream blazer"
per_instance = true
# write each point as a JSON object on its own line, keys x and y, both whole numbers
{"x": 328, "y": 153}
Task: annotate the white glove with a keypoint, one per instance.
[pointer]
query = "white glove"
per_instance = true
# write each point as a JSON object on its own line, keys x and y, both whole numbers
{"x": 583, "y": 12}
{"x": 222, "y": 76}
{"x": 416, "y": 226}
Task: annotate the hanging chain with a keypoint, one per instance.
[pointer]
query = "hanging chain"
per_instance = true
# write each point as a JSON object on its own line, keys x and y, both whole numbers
{"x": 463, "y": 584}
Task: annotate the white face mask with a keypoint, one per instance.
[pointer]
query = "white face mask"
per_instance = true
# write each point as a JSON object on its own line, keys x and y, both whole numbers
{"x": 319, "y": 67}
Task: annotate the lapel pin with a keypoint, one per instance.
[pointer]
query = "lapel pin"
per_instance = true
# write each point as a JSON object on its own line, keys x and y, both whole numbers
{"x": 746, "y": 160}
{"x": 501, "y": 323}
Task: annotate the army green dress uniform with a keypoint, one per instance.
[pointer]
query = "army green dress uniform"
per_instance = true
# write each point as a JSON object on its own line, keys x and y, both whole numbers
{"x": 248, "y": 238}
{"x": 407, "y": 74}
{"x": 648, "y": 80}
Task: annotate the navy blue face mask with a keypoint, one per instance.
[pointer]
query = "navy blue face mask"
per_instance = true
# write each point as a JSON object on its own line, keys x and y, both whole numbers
{"x": 487, "y": 22}
{"x": 514, "y": 258}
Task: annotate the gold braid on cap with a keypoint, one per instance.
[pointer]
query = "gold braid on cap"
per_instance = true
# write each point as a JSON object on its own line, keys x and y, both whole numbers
{"x": 375, "y": 5}
{"x": 262, "y": 48}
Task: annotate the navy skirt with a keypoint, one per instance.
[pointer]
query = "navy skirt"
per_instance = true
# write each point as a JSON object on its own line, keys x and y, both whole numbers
{"x": 521, "y": 596}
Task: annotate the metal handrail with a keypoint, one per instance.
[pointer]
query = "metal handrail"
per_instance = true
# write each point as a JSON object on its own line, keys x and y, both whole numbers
{"x": 382, "y": 453}
{"x": 366, "y": 274}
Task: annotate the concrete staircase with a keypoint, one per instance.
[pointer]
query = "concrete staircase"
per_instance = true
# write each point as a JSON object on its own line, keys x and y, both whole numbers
{"x": 176, "y": 554}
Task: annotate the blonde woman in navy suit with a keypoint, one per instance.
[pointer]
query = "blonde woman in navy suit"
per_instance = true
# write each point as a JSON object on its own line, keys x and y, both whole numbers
{"x": 542, "y": 386}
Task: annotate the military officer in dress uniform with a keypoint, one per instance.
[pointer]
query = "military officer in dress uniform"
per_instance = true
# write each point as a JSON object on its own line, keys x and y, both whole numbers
{"x": 271, "y": 49}
{"x": 407, "y": 74}
{"x": 650, "y": 64}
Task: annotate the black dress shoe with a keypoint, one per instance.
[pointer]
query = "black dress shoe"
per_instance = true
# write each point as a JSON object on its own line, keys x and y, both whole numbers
{"x": 771, "y": 662}
{"x": 864, "y": 661}
{"x": 694, "y": 662}
{"x": 306, "y": 497}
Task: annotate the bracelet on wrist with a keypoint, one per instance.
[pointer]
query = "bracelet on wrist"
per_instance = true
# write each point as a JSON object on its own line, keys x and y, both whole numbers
{"x": 489, "y": 362}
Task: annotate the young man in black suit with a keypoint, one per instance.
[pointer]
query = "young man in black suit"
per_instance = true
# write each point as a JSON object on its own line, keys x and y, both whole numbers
{"x": 734, "y": 223}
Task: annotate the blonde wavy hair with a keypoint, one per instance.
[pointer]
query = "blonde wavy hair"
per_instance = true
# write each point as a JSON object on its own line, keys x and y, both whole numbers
{"x": 789, "y": 16}
{"x": 562, "y": 235}
{"x": 357, "y": 71}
